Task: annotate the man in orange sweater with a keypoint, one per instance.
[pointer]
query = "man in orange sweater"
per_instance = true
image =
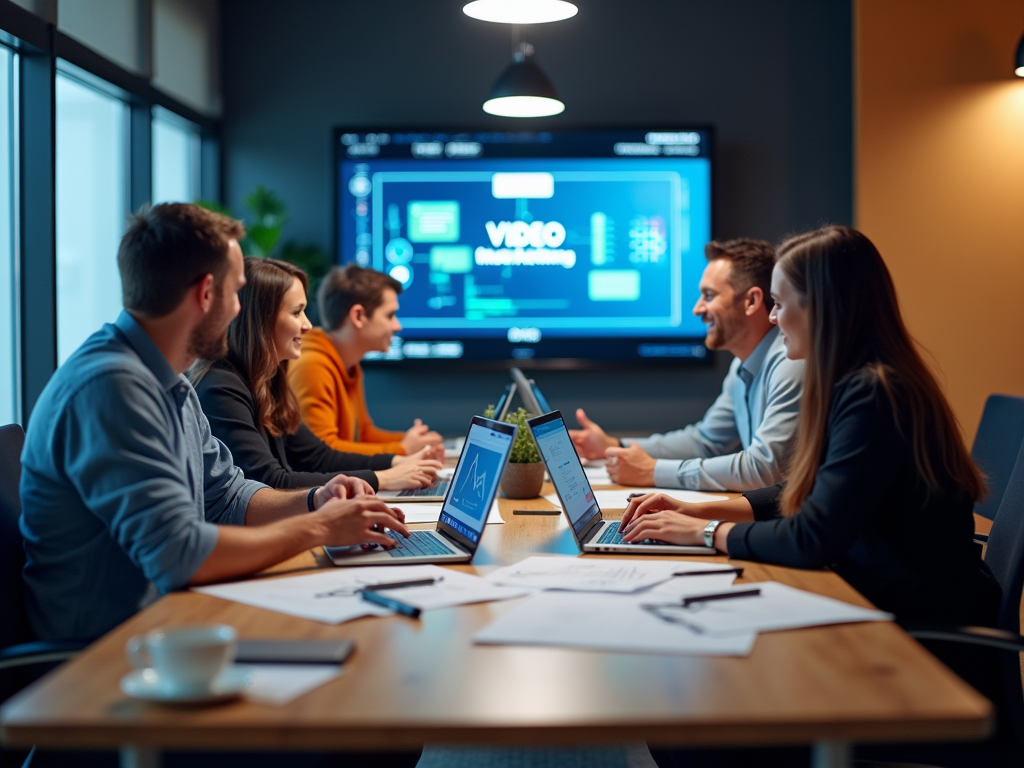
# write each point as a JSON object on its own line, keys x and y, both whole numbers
{"x": 357, "y": 311}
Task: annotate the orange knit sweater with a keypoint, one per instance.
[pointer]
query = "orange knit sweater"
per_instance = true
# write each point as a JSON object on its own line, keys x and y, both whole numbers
{"x": 332, "y": 400}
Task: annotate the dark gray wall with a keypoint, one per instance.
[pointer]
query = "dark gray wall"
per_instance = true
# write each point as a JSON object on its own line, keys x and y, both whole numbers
{"x": 773, "y": 76}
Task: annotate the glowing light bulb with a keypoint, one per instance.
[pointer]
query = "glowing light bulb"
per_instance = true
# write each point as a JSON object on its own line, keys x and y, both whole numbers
{"x": 520, "y": 11}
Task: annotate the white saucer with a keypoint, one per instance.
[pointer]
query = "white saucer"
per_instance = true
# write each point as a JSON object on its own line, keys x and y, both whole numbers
{"x": 145, "y": 684}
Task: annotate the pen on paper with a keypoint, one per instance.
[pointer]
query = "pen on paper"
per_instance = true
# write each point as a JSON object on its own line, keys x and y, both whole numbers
{"x": 737, "y": 571}
{"x": 353, "y": 590}
{"x": 688, "y": 601}
{"x": 389, "y": 602}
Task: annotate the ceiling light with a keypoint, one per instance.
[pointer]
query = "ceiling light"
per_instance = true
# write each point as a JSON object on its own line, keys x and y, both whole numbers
{"x": 523, "y": 90}
{"x": 520, "y": 11}
{"x": 1019, "y": 71}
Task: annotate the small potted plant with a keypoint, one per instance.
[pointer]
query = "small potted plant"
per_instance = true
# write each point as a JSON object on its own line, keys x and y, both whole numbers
{"x": 524, "y": 473}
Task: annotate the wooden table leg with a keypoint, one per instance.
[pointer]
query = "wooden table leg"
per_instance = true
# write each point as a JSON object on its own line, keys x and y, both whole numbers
{"x": 139, "y": 757}
{"x": 831, "y": 754}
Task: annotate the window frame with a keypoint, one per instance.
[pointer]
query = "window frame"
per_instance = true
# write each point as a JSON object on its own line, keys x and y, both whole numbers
{"x": 43, "y": 50}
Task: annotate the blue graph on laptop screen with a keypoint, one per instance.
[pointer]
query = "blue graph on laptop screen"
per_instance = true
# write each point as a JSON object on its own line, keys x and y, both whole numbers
{"x": 566, "y": 472}
{"x": 475, "y": 482}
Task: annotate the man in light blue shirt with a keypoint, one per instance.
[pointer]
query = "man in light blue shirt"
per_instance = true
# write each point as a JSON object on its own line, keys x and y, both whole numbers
{"x": 744, "y": 438}
{"x": 125, "y": 492}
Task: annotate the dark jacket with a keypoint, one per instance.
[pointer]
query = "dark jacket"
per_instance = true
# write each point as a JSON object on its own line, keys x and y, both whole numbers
{"x": 299, "y": 460}
{"x": 871, "y": 519}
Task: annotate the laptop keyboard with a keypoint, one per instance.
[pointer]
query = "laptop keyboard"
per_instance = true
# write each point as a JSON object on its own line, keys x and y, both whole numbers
{"x": 440, "y": 488}
{"x": 419, "y": 544}
{"x": 611, "y": 535}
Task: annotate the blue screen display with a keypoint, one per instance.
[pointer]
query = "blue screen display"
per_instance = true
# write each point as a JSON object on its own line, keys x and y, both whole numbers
{"x": 573, "y": 244}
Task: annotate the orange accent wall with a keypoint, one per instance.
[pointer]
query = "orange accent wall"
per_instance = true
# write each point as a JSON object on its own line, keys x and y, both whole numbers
{"x": 939, "y": 181}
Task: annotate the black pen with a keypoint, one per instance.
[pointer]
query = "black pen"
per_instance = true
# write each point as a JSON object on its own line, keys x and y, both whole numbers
{"x": 536, "y": 511}
{"x": 396, "y": 605}
{"x": 737, "y": 571}
{"x": 688, "y": 601}
{"x": 350, "y": 592}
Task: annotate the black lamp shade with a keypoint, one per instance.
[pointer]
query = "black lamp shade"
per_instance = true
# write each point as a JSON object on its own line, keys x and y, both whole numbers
{"x": 1019, "y": 64}
{"x": 523, "y": 78}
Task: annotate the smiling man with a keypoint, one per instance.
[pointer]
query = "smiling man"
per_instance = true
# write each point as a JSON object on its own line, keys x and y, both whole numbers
{"x": 742, "y": 441}
{"x": 358, "y": 309}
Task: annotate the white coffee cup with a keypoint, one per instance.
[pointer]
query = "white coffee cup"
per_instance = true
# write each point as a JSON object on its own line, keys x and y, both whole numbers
{"x": 186, "y": 659}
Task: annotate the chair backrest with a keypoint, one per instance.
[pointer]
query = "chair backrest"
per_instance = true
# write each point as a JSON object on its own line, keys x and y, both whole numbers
{"x": 1005, "y": 558}
{"x": 13, "y": 624}
{"x": 996, "y": 445}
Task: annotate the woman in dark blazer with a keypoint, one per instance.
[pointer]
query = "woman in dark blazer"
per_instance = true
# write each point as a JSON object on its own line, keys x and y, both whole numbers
{"x": 880, "y": 486}
{"x": 246, "y": 399}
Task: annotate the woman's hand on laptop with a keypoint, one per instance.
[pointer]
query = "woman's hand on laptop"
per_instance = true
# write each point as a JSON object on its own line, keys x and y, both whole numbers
{"x": 341, "y": 487}
{"x": 434, "y": 452}
{"x": 648, "y": 504}
{"x": 667, "y": 525}
{"x": 344, "y": 522}
{"x": 419, "y": 472}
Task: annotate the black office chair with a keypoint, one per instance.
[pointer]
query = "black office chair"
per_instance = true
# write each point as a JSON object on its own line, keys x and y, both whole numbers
{"x": 996, "y": 444}
{"x": 21, "y": 659}
{"x": 1005, "y": 558}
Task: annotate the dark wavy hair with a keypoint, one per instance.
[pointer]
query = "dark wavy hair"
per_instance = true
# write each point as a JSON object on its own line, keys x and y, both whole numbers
{"x": 855, "y": 324}
{"x": 251, "y": 350}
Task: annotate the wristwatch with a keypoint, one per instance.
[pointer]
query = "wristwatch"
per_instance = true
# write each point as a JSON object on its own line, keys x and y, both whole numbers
{"x": 709, "y": 533}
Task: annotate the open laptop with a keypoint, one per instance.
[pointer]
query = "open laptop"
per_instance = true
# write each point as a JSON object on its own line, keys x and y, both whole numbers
{"x": 453, "y": 445}
{"x": 593, "y": 533}
{"x": 464, "y": 513}
{"x": 529, "y": 393}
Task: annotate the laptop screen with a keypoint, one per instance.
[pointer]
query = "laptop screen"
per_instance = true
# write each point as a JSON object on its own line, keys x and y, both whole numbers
{"x": 566, "y": 470}
{"x": 475, "y": 482}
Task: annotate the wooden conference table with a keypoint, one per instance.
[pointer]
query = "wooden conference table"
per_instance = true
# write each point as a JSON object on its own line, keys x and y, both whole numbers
{"x": 412, "y": 682}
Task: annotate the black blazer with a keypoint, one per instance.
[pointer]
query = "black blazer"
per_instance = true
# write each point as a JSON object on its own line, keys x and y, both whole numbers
{"x": 871, "y": 519}
{"x": 300, "y": 460}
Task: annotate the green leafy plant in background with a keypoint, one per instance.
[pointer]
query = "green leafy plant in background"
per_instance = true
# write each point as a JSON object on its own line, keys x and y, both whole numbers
{"x": 524, "y": 450}
{"x": 265, "y": 217}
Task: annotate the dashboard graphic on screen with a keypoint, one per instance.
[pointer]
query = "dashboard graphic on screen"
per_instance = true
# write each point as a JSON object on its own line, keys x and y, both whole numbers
{"x": 579, "y": 245}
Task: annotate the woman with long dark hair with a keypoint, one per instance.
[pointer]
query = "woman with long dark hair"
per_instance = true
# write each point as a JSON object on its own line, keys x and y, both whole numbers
{"x": 246, "y": 397}
{"x": 880, "y": 485}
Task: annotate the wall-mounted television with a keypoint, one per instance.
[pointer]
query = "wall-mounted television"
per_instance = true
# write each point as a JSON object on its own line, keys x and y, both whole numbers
{"x": 561, "y": 247}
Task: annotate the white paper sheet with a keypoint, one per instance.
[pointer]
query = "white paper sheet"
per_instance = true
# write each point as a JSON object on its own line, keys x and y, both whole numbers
{"x": 584, "y": 575}
{"x": 603, "y": 622}
{"x": 455, "y": 588}
{"x": 777, "y": 607}
{"x": 430, "y": 513}
{"x": 619, "y": 499}
{"x": 597, "y": 475}
{"x": 281, "y": 683}
{"x": 332, "y": 597}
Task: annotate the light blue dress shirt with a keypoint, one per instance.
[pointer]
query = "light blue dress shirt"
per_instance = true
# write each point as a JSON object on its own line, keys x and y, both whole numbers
{"x": 122, "y": 486}
{"x": 743, "y": 440}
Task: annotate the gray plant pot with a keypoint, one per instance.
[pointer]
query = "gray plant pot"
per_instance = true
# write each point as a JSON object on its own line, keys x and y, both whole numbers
{"x": 523, "y": 481}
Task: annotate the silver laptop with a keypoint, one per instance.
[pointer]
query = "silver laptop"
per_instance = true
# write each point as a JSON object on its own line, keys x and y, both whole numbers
{"x": 593, "y": 533}
{"x": 529, "y": 393}
{"x": 464, "y": 513}
{"x": 453, "y": 445}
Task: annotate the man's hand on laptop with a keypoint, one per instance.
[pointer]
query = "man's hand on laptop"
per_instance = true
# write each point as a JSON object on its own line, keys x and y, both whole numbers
{"x": 341, "y": 487}
{"x": 417, "y": 471}
{"x": 344, "y": 522}
{"x": 591, "y": 442}
{"x": 630, "y": 466}
{"x": 419, "y": 436}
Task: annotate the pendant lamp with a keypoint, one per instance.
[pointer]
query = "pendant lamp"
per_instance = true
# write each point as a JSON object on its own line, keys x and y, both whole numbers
{"x": 523, "y": 90}
{"x": 520, "y": 11}
{"x": 1019, "y": 65}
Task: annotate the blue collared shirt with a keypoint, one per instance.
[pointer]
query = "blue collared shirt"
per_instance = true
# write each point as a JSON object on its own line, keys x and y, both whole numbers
{"x": 122, "y": 486}
{"x": 743, "y": 439}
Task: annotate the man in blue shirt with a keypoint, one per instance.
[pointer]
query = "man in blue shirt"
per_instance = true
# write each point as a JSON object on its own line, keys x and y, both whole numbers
{"x": 742, "y": 441}
{"x": 125, "y": 492}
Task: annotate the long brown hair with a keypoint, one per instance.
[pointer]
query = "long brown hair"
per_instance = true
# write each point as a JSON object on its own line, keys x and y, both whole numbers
{"x": 251, "y": 342}
{"x": 855, "y": 323}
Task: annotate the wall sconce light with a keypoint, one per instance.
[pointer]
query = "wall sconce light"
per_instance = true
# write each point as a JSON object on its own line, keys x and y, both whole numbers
{"x": 1019, "y": 66}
